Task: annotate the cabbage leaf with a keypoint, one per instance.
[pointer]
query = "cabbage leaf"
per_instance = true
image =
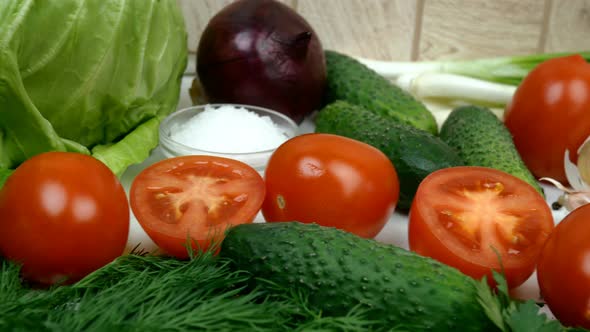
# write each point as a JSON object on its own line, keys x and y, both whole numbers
{"x": 91, "y": 76}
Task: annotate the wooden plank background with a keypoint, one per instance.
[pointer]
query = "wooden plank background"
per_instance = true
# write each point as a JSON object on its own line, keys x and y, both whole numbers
{"x": 430, "y": 29}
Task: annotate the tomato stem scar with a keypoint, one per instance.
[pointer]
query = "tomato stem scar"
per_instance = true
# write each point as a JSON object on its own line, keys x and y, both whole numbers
{"x": 281, "y": 202}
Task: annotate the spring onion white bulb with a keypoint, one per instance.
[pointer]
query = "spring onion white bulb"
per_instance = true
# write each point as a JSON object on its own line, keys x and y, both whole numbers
{"x": 431, "y": 85}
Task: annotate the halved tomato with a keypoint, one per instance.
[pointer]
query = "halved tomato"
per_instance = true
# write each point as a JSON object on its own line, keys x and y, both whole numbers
{"x": 480, "y": 219}
{"x": 196, "y": 198}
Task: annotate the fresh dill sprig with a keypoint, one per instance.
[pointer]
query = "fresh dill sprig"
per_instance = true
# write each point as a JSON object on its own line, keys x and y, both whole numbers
{"x": 136, "y": 293}
{"x": 148, "y": 293}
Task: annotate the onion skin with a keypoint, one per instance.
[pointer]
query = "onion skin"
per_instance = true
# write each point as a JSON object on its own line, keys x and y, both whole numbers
{"x": 263, "y": 53}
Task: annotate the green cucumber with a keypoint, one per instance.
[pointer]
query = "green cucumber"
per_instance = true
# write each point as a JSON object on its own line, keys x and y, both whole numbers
{"x": 414, "y": 153}
{"x": 337, "y": 271}
{"x": 481, "y": 139}
{"x": 352, "y": 81}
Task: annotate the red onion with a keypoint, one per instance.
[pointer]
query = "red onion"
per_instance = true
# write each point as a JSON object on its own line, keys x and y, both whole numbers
{"x": 263, "y": 53}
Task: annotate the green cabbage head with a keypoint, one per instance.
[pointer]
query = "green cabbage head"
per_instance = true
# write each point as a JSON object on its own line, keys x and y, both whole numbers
{"x": 91, "y": 76}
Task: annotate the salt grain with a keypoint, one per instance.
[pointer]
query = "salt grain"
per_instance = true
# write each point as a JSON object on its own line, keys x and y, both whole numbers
{"x": 229, "y": 129}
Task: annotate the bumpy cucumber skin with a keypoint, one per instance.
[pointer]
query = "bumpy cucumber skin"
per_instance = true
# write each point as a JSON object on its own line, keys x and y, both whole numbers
{"x": 481, "y": 139}
{"x": 414, "y": 153}
{"x": 339, "y": 270}
{"x": 352, "y": 81}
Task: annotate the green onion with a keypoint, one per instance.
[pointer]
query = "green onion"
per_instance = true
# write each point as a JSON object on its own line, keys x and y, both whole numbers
{"x": 448, "y": 88}
{"x": 509, "y": 70}
{"x": 445, "y": 84}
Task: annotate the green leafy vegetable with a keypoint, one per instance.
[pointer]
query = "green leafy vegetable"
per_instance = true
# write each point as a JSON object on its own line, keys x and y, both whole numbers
{"x": 86, "y": 75}
{"x": 136, "y": 293}
{"x": 118, "y": 155}
{"x": 525, "y": 317}
{"x": 147, "y": 293}
{"x": 514, "y": 316}
{"x": 490, "y": 304}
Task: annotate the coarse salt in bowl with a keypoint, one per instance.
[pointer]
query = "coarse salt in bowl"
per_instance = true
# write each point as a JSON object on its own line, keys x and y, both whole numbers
{"x": 243, "y": 132}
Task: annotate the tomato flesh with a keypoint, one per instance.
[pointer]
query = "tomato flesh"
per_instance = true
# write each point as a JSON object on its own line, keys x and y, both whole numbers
{"x": 196, "y": 198}
{"x": 469, "y": 217}
{"x": 563, "y": 271}
{"x": 62, "y": 215}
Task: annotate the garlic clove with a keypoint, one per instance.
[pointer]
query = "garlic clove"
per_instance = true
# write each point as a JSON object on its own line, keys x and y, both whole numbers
{"x": 586, "y": 141}
{"x": 571, "y": 198}
{"x": 575, "y": 200}
{"x": 573, "y": 174}
{"x": 578, "y": 177}
{"x": 584, "y": 162}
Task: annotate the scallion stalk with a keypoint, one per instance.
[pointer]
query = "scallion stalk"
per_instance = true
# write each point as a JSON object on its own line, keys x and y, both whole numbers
{"x": 489, "y": 82}
{"x": 506, "y": 70}
{"x": 451, "y": 87}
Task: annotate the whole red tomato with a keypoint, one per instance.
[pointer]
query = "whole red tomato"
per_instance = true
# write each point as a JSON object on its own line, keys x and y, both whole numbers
{"x": 62, "y": 215}
{"x": 474, "y": 218}
{"x": 549, "y": 113}
{"x": 563, "y": 270}
{"x": 333, "y": 181}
